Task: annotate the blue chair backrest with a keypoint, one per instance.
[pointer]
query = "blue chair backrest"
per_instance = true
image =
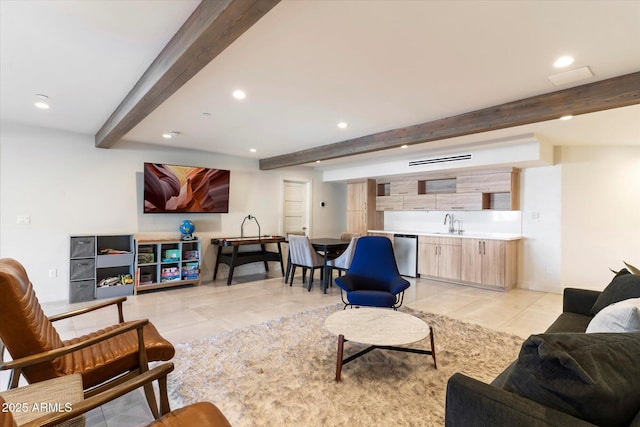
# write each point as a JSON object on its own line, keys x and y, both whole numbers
{"x": 374, "y": 258}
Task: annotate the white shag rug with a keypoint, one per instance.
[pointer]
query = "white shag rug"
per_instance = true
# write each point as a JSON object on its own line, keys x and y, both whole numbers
{"x": 282, "y": 373}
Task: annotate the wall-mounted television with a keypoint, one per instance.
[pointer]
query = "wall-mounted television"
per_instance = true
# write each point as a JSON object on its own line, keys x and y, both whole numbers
{"x": 185, "y": 189}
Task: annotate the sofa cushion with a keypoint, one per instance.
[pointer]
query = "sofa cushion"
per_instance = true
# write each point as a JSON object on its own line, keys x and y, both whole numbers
{"x": 623, "y": 316}
{"x": 594, "y": 377}
{"x": 569, "y": 322}
{"x": 623, "y": 286}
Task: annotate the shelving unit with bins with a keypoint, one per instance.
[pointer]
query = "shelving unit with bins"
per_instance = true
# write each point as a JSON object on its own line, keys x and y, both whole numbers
{"x": 97, "y": 258}
{"x": 167, "y": 263}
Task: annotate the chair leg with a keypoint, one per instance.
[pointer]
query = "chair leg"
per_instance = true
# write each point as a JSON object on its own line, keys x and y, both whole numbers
{"x": 304, "y": 274}
{"x": 311, "y": 279}
{"x": 151, "y": 399}
{"x": 293, "y": 273}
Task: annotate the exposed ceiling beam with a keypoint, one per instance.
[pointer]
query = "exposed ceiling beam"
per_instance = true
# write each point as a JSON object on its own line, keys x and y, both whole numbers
{"x": 616, "y": 92}
{"x": 210, "y": 29}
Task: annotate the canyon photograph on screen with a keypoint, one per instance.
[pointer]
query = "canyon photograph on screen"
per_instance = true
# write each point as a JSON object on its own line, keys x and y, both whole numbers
{"x": 179, "y": 189}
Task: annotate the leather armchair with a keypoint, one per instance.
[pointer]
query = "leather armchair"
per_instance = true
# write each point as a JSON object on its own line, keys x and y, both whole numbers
{"x": 201, "y": 414}
{"x": 103, "y": 358}
{"x": 373, "y": 278}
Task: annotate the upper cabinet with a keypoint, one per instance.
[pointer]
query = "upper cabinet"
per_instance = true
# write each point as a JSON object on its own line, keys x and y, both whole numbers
{"x": 495, "y": 189}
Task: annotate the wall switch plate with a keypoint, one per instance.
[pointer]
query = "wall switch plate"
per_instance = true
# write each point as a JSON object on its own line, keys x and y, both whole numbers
{"x": 23, "y": 219}
{"x": 53, "y": 273}
{"x": 535, "y": 215}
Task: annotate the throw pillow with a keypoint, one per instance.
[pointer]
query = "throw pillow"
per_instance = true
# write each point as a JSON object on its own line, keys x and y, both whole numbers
{"x": 623, "y": 316}
{"x": 594, "y": 377}
{"x": 623, "y": 286}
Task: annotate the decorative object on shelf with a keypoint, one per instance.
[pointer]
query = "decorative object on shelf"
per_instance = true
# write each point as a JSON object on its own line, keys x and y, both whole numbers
{"x": 187, "y": 228}
{"x": 249, "y": 217}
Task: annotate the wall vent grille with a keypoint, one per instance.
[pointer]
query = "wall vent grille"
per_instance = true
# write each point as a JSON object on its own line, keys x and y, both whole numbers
{"x": 446, "y": 159}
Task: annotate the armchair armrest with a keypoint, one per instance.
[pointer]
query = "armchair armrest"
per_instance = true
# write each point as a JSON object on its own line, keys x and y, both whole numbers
{"x": 91, "y": 308}
{"x": 472, "y": 403}
{"x": 52, "y": 354}
{"x": 579, "y": 301}
{"x": 78, "y": 408}
{"x": 398, "y": 284}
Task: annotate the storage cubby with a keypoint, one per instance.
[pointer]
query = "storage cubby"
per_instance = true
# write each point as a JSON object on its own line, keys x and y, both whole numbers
{"x": 165, "y": 263}
{"x": 437, "y": 186}
{"x": 383, "y": 189}
{"x": 100, "y": 267}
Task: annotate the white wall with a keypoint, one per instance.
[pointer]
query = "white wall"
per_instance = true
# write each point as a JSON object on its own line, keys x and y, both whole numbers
{"x": 69, "y": 187}
{"x": 539, "y": 252}
{"x": 600, "y": 213}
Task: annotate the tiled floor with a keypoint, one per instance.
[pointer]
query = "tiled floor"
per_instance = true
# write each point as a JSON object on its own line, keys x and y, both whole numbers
{"x": 184, "y": 314}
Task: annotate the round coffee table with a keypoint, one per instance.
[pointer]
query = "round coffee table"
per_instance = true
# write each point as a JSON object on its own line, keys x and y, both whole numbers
{"x": 380, "y": 328}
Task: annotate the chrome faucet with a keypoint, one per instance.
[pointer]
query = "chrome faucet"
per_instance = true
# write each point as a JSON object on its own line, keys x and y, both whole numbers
{"x": 450, "y": 216}
{"x": 460, "y": 230}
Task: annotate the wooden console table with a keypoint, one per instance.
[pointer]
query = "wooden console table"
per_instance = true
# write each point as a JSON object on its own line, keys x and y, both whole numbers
{"x": 236, "y": 258}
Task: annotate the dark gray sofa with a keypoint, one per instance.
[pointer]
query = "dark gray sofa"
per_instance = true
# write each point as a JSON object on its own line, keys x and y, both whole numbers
{"x": 472, "y": 403}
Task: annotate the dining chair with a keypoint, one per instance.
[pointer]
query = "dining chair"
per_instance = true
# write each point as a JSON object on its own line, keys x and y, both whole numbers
{"x": 103, "y": 358}
{"x": 303, "y": 255}
{"x": 343, "y": 261}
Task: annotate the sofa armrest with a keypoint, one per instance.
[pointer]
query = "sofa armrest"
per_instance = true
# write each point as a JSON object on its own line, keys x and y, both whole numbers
{"x": 472, "y": 403}
{"x": 579, "y": 301}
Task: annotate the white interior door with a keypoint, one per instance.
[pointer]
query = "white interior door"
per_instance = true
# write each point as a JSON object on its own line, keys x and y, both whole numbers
{"x": 295, "y": 210}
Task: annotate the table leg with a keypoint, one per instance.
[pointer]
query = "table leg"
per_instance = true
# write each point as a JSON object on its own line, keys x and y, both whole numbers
{"x": 264, "y": 250}
{"x": 281, "y": 265}
{"x": 325, "y": 279}
{"x": 234, "y": 254}
{"x": 215, "y": 270}
{"x": 433, "y": 348}
{"x": 340, "y": 355}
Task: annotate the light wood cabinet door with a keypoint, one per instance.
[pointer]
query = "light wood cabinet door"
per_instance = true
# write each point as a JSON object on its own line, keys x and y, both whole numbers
{"x": 461, "y": 201}
{"x": 428, "y": 259}
{"x": 484, "y": 183}
{"x": 493, "y": 262}
{"x": 356, "y": 222}
{"x": 389, "y": 203}
{"x": 471, "y": 261}
{"x": 439, "y": 257}
{"x": 419, "y": 202}
{"x": 356, "y": 196}
{"x": 489, "y": 262}
{"x": 449, "y": 262}
{"x": 404, "y": 188}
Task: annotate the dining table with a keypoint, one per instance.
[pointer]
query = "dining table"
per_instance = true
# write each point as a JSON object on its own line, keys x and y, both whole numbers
{"x": 330, "y": 248}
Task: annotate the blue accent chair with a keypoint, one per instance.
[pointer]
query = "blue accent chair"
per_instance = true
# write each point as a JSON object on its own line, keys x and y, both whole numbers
{"x": 373, "y": 279}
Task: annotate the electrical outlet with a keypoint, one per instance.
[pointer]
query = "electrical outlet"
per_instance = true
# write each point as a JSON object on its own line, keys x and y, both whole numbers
{"x": 53, "y": 273}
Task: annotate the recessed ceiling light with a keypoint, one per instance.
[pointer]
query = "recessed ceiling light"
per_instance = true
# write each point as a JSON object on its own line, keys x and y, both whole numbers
{"x": 567, "y": 117}
{"x": 343, "y": 125}
{"x": 169, "y": 135}
{"x": 317, "y": 161}
{"x": 42, "y": 102}
{"x": 253, "y": 150}
{"x": 239, "y": 94}
{"x": 563, "y": 61}
{"x": 404, "y": 146}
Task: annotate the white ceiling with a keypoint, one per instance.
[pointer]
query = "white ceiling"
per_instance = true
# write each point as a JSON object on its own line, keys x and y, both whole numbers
{"x": 307, "y": 65}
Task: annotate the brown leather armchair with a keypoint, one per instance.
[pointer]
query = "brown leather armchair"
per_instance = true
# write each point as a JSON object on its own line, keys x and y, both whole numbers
{"x": 104, "y": 358}
{"x": 201, "y": 414}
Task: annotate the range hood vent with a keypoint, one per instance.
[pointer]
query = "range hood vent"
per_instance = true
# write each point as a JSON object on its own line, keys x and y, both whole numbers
{"x": 447, "y": 159}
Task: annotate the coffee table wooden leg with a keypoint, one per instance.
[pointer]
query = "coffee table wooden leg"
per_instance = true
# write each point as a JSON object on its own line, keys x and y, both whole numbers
{"x": 433, "y": 348}
{"x": 340, "y": 356}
